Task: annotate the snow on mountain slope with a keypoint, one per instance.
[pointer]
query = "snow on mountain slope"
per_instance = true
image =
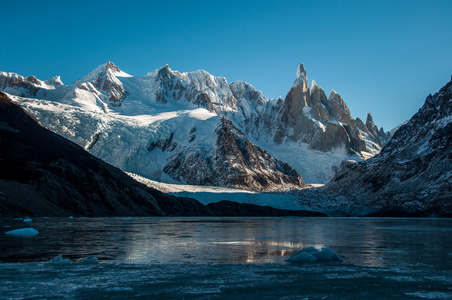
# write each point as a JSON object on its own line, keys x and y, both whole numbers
{"x": 175, "y": 146}
{"x": 144, "y": 124}
{"x": 413, "y": 172}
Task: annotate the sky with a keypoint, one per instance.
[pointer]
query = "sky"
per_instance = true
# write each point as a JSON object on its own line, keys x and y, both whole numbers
{"x": 382, "y": 57}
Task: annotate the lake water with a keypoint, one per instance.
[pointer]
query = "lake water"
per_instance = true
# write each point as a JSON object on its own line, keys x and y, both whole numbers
{"x": 227, "y": 258}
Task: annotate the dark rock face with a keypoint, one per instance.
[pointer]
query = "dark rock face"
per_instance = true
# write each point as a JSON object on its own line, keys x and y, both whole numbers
{"x": 108, "y": 83}
{"x": 308, "y": 116}
{"x": 24, "y": 86}
{"x": 42, "y": 174}
{"x": 413, "y": 172}
{"x": 235, "y": 162}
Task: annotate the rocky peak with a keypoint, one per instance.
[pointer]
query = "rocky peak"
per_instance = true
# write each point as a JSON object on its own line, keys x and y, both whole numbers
{"x": 337, "y": 101}
{"x": 370, "y": 125}
{"x": 245, "y": 91}
{"x": 301, "y": 72}
{"x": 370, "y": 119}
{"x": 111, "y": 66}
{"x": 19, "y": 85}
{"x": 319, "y": 102}
{"x": 413, "y": 172}
{"x": 296, "y": 99}
{"x": 163, "y": 73}
{"x": 104, "y": 79}
{"x": 33, "y": 79}
{"x": 323, "y": 123}
{"x": 302, "y": 80}
{"x": 171, "y": 85}
{"x": 56, "y": 80}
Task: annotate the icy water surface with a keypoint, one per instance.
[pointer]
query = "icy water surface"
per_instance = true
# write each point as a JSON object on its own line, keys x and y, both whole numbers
{"x": 227, "y": 258}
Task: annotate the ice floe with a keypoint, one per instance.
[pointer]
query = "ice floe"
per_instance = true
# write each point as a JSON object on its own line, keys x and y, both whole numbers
{"x": 59, "y": 260}
{"x": 313, "y": 255}
{"x": 89, "y": 260}
{"x": 23, "y": 232}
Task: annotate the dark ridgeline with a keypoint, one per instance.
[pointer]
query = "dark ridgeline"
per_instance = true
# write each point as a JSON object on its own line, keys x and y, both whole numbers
{"x": 43, "y": 174}
{"x": 412, "y": 175}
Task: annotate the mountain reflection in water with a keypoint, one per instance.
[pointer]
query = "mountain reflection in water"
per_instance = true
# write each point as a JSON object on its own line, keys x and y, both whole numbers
{"x": 373, "y": 242}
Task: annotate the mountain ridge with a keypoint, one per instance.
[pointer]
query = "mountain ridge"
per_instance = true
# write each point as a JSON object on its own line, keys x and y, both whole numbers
{"x": 108, "y": 96}
{"x": 412, "y": 174}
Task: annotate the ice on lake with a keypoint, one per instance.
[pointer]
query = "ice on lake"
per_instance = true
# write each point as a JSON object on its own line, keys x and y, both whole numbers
{"x": 228, "y": 258}
{"x": 23, "y": 232}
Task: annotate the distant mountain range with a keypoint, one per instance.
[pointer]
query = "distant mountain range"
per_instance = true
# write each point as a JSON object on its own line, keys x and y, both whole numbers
{"x": 198, "y": 129}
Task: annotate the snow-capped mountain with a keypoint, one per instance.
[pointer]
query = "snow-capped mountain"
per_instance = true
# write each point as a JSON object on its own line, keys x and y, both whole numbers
{"x": 323, "y": 123}
{"x": 43, "y": 174}
{"x": 413, "y": 172}
{"x": 199, "y": 129}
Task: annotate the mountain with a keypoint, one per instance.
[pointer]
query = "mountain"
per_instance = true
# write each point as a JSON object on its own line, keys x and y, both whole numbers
{"x": 43, "y": 174}
{"x": 166, "y": 123}
{"x": 412, "y": 175}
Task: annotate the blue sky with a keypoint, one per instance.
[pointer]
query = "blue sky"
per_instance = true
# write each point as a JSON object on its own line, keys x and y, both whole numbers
{"x": 383, "y": 57}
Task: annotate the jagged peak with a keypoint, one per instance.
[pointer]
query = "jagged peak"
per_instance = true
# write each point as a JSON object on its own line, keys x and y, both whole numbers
{"x": 369, "y": 118}
{"x": 108, "y": 68}
{"x": 301, "y": 71}
{"x": 33, "y": 79}
{"x": 336, "y": 97}
{"x": 302, "y": 79}
{"x": 313, "y": 84}
{"x": 244, "y": 84}
{"x": 164, "y": 72}
{"x": 30, "y": 79}
{"x": 56, "y": 80}
{"x": 333, "y": 94}
{"x": 315, "y": 87}
{"x": 111, "y": 66}
{"x": 165, "y": 67}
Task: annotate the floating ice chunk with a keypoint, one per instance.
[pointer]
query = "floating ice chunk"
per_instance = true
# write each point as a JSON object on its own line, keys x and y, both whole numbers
{"x": 302, "y": 257}
{"x": 89, "y": 260}
{"x": 59, "y": 260}
{"x": 23, "y": 232}
{"x": 311, "y": 254}
{"x": 27, "y": 220}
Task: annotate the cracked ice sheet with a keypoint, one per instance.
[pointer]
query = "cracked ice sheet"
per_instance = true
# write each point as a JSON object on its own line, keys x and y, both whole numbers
{"x": 263, "y": 281}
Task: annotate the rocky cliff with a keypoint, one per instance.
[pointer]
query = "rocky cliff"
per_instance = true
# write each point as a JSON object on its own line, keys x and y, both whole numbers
{"x": 413, "y": 173}
{"x": 233, "y": 162}
{"x": 43, "y": 174}
{"x": 325, "y": 124}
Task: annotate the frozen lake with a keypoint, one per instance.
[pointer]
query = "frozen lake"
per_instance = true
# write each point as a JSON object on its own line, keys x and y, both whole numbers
{"x": 217, "y": 258}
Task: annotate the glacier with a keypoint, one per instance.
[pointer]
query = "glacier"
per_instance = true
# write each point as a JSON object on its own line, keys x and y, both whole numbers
{"x": 153, "y": 125}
